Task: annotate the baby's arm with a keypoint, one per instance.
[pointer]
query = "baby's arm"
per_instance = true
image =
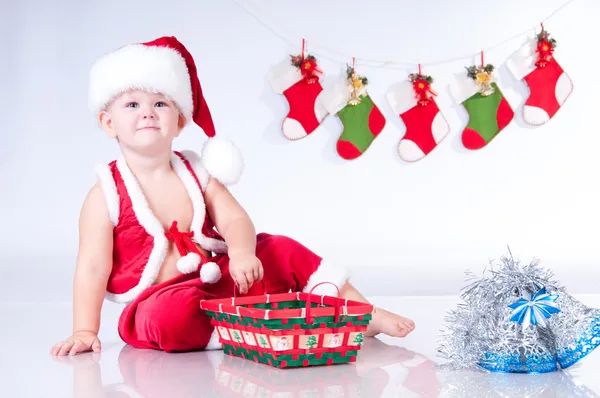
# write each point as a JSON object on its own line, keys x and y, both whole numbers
{"x": 94, "y": 263}
{"x": 235, "y": 226}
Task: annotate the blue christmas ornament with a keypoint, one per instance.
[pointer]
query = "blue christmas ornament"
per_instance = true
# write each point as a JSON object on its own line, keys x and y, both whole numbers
{"x": 517, "y": 319}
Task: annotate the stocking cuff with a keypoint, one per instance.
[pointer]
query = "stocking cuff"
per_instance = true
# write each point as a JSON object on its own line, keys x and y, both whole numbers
{"x": 401, "y": 97}
{"x": 335, "y": 98}
{"x": 522, "y": 62}
{"x": 463, "y": 88}
{"x": 284, "y": 75}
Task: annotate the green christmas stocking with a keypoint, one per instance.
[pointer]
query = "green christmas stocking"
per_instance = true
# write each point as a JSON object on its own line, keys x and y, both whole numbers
{"x": 489, "y": 112}
{"x": 361, "y": 118}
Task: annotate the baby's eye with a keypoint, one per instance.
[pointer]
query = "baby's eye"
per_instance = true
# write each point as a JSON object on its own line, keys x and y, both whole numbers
{"x": 161, "y": 104}
{"x": 132, "y": 105}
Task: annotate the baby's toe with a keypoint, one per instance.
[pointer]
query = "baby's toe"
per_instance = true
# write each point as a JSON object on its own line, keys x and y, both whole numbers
{"x": 405, "y": 328}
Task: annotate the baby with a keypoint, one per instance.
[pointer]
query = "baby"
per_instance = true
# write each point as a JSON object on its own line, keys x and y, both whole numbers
{"x": 160, "y": 231}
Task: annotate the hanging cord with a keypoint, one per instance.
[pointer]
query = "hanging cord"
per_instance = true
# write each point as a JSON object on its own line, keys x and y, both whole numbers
{"x": 340, "y": 57}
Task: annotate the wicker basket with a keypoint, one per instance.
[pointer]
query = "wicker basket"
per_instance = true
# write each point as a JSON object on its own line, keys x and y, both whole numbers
{"x": 290, "y": 329}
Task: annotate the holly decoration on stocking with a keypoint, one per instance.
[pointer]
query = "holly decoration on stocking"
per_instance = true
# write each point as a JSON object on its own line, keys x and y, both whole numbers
{"x": 308, "y": 67}
{"x": 489, "y": 112}
{"x": 426, "y": 127}
{"x": 297, "y": 78}
{"x": 549, "y": 85}
{"x": 545, "y": 49}
{"x": 483, "y": 77}
{"x": 358, "y": 84}
{"x": 421, "y": 85}
{"x": 361, "y": 118}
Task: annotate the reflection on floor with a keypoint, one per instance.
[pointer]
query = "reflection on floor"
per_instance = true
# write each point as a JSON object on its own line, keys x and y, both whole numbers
{"x": 385, "y": 367}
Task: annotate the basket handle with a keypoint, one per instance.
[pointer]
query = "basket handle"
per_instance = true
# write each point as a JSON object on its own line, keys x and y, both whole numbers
{"x": 308, "y": 303}
{"x": 236, "y": 287}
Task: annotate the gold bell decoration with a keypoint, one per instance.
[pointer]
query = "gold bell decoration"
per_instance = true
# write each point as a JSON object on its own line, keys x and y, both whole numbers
{"x": 357, "y": 85}
{"x": 483, "y": 76}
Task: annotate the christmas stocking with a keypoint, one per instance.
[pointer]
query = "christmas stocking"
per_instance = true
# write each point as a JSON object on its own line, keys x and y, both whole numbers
{"x": 489, "y": 112}
{"x": 361, "y": 118}
{"x": 550, "y": 86}
{"x": 425, "y": 124}
{"x": 296, "y": 78}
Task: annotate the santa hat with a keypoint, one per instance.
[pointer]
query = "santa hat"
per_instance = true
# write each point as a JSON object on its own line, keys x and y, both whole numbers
{"x": 165, "y": 66}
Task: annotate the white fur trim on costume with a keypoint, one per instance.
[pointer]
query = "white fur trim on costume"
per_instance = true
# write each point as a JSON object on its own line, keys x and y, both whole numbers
{"x": 335, "y": 98}
{"x": 214, "y": 343}
{"x": 222, "y": 160}
{"x": 194, "y": 159}
{"x": 188, "y": 263}
{"x": 522, "y": 62}
{"x": 152, "y": 226}
{"x": 210, "y": 273}
{"x": 109, "y": 188}
{"x": 137, "y": 66}
{"x": 463, "y": 87}
{"x": 401, "y": 97}
{"x": 198, "y": 206}
{"x": 283, "y": 75}
{"x": 327, "y": 272}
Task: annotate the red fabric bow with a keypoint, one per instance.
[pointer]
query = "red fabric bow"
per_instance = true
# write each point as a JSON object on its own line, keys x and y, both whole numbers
{"x": 545, "y": 51}
{"x": 423, "y": 92}
{"x": 183, "y": 241}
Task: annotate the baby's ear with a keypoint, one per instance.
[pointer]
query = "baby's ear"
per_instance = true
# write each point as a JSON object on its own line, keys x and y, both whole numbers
{"x": 106, "y": 123}
{"x": 181, "y": 122}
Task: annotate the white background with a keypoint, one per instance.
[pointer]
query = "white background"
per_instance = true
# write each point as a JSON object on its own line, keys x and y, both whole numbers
{"x": 406, "y": 229}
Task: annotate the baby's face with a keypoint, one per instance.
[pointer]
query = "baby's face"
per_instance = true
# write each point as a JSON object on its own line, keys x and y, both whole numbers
{"x": 142, "y": 121}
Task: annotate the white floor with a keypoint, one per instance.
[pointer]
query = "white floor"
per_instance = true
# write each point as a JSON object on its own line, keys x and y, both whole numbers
{"x": 385, "y": 367}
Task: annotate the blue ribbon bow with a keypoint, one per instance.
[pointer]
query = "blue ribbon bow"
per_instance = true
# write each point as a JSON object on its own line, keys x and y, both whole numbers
{"x": 541, "y": 306}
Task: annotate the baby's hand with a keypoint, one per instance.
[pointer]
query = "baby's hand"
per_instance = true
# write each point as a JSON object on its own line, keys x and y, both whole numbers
{"x": 77, "y": 343}
{"x": 245, "y": 269}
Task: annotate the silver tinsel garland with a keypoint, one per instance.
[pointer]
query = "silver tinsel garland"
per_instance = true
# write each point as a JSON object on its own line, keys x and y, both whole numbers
{"x": 480, "y": 333}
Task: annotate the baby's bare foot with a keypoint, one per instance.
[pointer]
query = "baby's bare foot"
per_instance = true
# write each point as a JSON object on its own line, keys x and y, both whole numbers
{"x": 390, "y": 324}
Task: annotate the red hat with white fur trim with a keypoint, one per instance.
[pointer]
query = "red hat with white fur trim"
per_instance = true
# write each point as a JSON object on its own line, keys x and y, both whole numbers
{"x": 165, "y": 66}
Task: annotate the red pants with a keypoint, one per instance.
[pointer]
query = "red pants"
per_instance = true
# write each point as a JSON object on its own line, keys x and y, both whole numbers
{"x": 168, "y": 316}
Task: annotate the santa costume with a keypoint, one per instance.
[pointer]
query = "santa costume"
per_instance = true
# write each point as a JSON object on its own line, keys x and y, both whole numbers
{"x": 167, "y": 316}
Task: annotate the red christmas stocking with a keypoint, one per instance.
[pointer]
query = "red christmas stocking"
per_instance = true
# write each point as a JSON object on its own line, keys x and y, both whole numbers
{"x": 296, "y": 78}
{"x": 425, "y": 125}
{"x": 549, "y": 85}
{"x": 489, "y": 112}
{"x": 362, "y": 119}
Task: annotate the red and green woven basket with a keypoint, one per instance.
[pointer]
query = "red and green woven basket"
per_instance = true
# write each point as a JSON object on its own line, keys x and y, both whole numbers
{"x": 290, "y": 329}
{"x": 235, "y": 378}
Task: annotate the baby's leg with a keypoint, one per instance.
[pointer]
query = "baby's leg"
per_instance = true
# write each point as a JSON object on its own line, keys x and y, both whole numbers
{"x": 383, "y": 321}
{"x": 290, "y": 265}
{"x": 167, "y": 317}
